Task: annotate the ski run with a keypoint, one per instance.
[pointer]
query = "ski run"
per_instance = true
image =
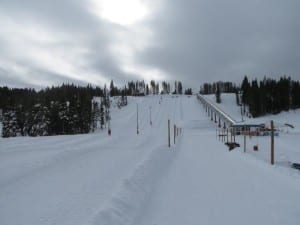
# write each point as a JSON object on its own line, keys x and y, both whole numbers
{"x": 136, "y": 179}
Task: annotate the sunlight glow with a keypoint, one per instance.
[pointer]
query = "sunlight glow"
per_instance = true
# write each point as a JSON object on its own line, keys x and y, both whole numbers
{"x": 124, "y": 13}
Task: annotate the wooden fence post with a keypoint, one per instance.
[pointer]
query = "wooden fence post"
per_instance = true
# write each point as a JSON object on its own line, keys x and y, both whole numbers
{"x": 227, "y": 134}
{"x": 272, "y": 142}
{"x": 174, "y": 133}
{"x": 169, "y": 138}
{"x": 244, "y": 141}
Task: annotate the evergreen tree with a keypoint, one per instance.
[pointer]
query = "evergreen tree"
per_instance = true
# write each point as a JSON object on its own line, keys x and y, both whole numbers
{"x": 218, "y": 94}
{"x": 10, "y": 126}
{"x": 179, "y": 88}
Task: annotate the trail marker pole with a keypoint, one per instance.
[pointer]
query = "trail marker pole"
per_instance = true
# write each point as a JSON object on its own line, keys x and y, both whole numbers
{"x": 174, "y": 133}
{"x": 222, "y": 135}
{"x": 244, "y": 141}
{"x": 227, "y": 134}
{"x": 233, "y": 135}
{"x": 137, "y": 118}
{"x": 109, "y": 129}
{"x": 150, "y": 116}
{"x": 169, "y": 138}
{"x": 272, "y": 142}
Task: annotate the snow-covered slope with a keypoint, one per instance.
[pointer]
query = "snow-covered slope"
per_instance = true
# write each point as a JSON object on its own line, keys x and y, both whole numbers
{"x": 229, "y": 105}
{"x": 136, "y": 179}
{"x": 70, "y": 179}
{"x": 206, "y": 184}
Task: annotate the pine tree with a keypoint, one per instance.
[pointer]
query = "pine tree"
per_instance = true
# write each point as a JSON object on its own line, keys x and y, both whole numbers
{"x": 10, "y": 126}
{"x": 179, "y": 88}
{"x": 218, "y": 94}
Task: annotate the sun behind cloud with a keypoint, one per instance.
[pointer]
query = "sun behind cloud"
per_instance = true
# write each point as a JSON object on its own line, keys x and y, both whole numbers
{"x": 124, "y": 13}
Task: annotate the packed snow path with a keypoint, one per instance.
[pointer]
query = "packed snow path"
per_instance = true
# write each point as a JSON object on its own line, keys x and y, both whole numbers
{"x": 128, "y": 179}
{"x": 70, "y": 179}
{"x": 206, "y": 184}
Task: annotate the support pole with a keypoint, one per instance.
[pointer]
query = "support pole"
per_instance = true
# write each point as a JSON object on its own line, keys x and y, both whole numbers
{"x": 174, "y": 134}
{"x": 109, "y": 129}
{"x": 244, "y": 141}
{"x": 169, "y": 138}
{"x": 150, "y": 116}
{"x": 234, "y": 135}
{"x": 227, "y": 134}
{"x": 137, "y": 118}
{"x": 272, "y": 142}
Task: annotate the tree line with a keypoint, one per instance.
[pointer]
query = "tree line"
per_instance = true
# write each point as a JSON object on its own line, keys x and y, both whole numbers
{"x": 57, "y": 110}
{"x": 220, "y": 86}
{"x": 66, "y": 109}
{"x": 270, "y": 96}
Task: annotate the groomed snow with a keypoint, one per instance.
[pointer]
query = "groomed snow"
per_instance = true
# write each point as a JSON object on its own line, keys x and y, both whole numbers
{"x": 136, "y": 179}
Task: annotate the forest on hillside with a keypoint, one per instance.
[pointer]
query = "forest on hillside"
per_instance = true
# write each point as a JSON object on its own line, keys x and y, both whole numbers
{"x": 267, "y": 96}
{"x": 270, "y": 96}
{"x": 67, "y": 109}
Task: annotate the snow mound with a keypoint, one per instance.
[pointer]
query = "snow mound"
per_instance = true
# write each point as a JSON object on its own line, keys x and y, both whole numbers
{"x": 131, "y": 199}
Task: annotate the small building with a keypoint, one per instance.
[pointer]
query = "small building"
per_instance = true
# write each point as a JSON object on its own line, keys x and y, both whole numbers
{"x": 249, "y": 129}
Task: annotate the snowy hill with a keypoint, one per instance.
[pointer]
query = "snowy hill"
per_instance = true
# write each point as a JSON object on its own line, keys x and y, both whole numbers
{"x": 127, "y": 179}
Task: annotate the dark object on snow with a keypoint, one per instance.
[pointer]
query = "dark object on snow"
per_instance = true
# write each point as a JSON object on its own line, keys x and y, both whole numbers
{"x": 232, "y": 145}
{"x": 296, "y": 166}
{"x": 289, "y": 125}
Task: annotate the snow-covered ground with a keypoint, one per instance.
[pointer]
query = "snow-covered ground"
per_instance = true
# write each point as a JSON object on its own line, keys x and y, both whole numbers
{"x": 136, "y": 179}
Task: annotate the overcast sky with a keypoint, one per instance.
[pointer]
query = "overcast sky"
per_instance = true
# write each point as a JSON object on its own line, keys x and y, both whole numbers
{"x": 48, "y": 42}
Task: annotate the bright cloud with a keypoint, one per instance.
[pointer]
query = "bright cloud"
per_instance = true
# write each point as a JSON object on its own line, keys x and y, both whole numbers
{"x": 124, "y": 13}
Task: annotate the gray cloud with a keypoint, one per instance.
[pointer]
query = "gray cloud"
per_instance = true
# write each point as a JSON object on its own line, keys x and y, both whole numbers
{"x": 193, "y": 41}
{"x": 200, "y": 41}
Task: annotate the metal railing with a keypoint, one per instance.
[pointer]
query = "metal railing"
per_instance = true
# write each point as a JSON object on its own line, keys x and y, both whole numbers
{"x": 227, "y": 118}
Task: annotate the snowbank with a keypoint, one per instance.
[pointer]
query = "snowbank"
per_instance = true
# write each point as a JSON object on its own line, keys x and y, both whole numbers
{"x": 126, "y": 205}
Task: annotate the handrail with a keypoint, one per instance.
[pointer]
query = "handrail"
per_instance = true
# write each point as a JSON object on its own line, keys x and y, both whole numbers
{"x": 216, "y": 109}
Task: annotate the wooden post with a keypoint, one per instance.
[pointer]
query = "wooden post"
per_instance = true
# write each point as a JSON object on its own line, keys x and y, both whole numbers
{"x": 272, "y": 142}
{"x": 234, "y": 135}
{"x": 137, "y": 118}
{"x": 169, "y": 138}
{"x": 174, "y": 134}
{"x": 150, "y": 116}
{"x": 222, "y": 137}
{"x": 244, "y": 141}
{"x": 227, "y": 134}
